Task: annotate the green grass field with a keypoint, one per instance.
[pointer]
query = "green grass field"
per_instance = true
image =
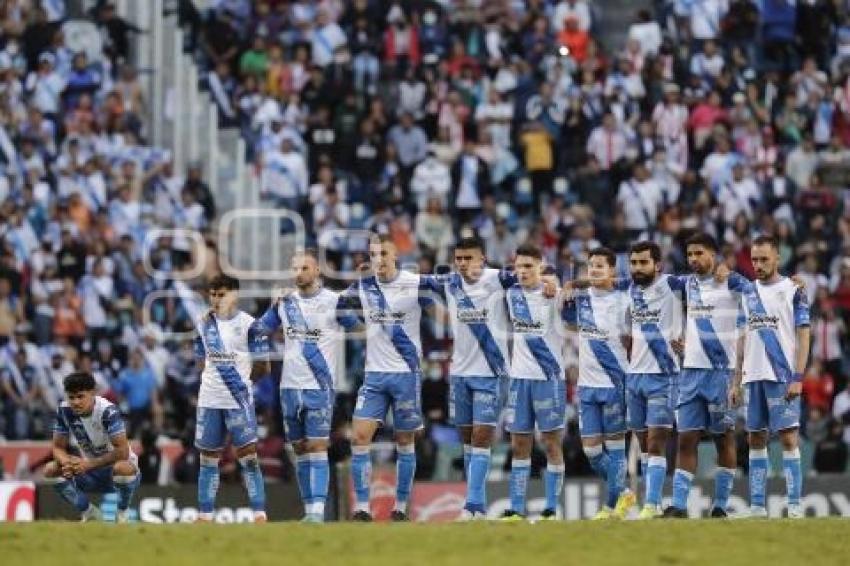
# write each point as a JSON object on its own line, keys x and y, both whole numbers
{"x": 816, "y": 541}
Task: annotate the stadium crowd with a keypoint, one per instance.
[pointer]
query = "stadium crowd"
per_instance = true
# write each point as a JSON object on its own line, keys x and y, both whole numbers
{"x": 428, "y": 121}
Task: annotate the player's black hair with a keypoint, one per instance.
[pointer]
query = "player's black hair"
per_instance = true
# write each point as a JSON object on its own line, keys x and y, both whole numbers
{"x": 470, "y": 243}
{"x": 607, "y": 253}
{"x": 223, "y": 281}
{"x": 309, "y": 252}
{"x": 381, "y": 239}
{"x": 529, "y": 250}
{"x": 704, "y": 240}
{"x": 647, "y": 246}
{"x": 766, "y": 240}
{"x": 78, "y": 382}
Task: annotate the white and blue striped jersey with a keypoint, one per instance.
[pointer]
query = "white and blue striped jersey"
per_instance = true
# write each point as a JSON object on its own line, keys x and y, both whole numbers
{"x": 392, "y": 312}
{"x": 774, "y": 312}
{"x": 313, "y": 339}
{"x": 656, "y": 320}
{"x": 538, "y": 334}
{"x": 479, "y": 322}
{"x": 715, "y": 320}
{"x": 229, "y": 348}
{"x": 602, "y": 321}
{"x": 92, "y": 434}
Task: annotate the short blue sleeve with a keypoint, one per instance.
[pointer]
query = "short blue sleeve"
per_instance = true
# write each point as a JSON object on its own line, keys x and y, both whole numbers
{"x": 738, "y": 283}
{"x": 258, "y": 340}
{"x": 113, "y": 424}
{"x": 623, "y": 284}
{"x": 427, "y": 291}
{"x": 508, "y": 278}
{"x": 270, "y": 320}
{"x": 569, "y": 312}
{"x": 199, "y": 349}
{"x": 349, "y": 308}
{"x": 677, "y": 283}
{"x": 60, "y": 425}
{"x": 801, "y": 309}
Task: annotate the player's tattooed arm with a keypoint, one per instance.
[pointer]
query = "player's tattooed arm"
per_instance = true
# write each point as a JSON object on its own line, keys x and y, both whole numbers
{"x": 735, "y": 395}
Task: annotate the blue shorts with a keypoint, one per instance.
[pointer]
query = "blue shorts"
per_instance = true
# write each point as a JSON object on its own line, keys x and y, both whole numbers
{"x": 602, "y": 410}
{"x": 767, "y": 408}
{"x": 98, "y": 480}
{"x": 306, "y": 413}
{"x": 703, "y": 402}
{"x": 539, "y": 401}
{"x": 475, "y": 400}
{"x": 649, "y": 400}
{"x": 401, "y": 391}
{"x": 212, "y": 426}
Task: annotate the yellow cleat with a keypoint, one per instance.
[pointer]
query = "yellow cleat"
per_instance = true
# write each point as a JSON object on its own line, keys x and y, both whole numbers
{"x": 625, "y": 502}
{"x": 511, "y": 517}
{"x": 604, "y": 514}
{"x": 649, "y": 512}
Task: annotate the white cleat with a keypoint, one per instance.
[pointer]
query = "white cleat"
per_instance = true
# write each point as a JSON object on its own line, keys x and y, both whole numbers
{"x": 122, "y": 517}
{"x": 467, "y": 516}
{"x": 92, "y": 514}
{"x": 796, "y": 512}
{"x": 752, "y": 513}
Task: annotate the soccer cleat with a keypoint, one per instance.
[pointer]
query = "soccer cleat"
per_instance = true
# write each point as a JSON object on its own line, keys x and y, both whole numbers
{"x": 399, "y": 517}
{"x": 752, "y": 513}
{"x": 92, "y": 514}
{"x": 260, "y": 517}
{"x": 313, "y": 518}
{"x": 204, "y": 518}
{"x": 796, "y": 512}
{"x": 604, "y": 514}
{"x": 122, "y": 517}
{"x": 674, "y": 513}
{"x": 625, "y": 502}
{"x": 718, "y": 513}
{"x": 549, "y": 515}
{"x": 362, "y": 517}
{"x": 648, "y": 512}
{"x": 511, "y": 516}
{"x": 467, "y": 516}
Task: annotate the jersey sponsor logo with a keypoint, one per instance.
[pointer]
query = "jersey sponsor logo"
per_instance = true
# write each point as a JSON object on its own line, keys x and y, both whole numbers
{"x": 302, "y": 335}
{"x": 646, "y": 316}
{"x": 758, "y": 321}
{"x": 701, "y": 311}
{"x": 593, "y": 332}
{"x": 222, "y": 357}
{"x": 528, "y": 327}
{"x": 387, "y": 317}
{"x": 471, "y": 316}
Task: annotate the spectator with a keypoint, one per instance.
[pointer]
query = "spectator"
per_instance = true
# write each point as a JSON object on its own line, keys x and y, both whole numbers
{"x": 137, "y": 388}
{"x": 831, "y": 453}
{"x": 434, "y": 231}
{"x": 22, "y": 393}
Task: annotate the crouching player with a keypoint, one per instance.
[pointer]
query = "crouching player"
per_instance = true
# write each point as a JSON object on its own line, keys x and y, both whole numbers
{"x": 107, "y": 463}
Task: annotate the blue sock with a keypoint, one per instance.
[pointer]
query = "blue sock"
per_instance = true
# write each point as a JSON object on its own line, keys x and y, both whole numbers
{"x": 758, "y": 477}
{"x": 644, "y": 459}
{"x": 361, "y": 471}
{"x": 467, "y": 459}
{"x": 598, "y": 459}
{"x": 125, "y": 486}
{"x": 793, "y": 475}
{"x": 656, "y": 471}
{"x": 723, "y": 480}
{"x": 405, "y": 471}
{"x": 68, "y": 491}
{"x": 252, "y": 476}
{"x": 208, "y": 479}
{"x": 319, "y": 474}
{"x": 302, "y": 473}
{"x": 520, "y": 471}
{"x": 554, "y": 484}
{"x": 682, "y": 480}
{"x": 616, "y": 470}
{"x": 476, "y": 492}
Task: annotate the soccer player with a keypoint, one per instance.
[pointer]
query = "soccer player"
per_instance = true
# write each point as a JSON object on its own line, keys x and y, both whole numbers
{"x": 776, "y": 351}
{"x": 391, "y": 302}
{"x": 312, "y": 347}
{"x": 475, "y": 296}
{"x": 106, "y": 463}
{"x": 656, "y": 330}
{"x": 233, "y": 350}
{"x": 713, "y": 342}
{"x": 600, "y": 315}
{"x": 537, "y": 389}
